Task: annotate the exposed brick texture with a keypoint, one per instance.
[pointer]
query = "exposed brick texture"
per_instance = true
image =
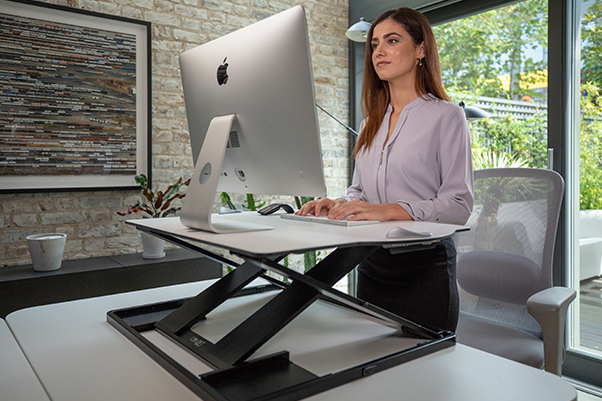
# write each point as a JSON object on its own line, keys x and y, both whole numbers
{"x": 89, "y": 218}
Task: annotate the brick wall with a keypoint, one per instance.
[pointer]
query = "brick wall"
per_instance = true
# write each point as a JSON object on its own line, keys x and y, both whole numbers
{"x": 89, "y": 218}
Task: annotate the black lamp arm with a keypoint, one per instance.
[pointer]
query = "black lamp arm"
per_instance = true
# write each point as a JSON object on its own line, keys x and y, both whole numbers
{"x": 337, "y": 120}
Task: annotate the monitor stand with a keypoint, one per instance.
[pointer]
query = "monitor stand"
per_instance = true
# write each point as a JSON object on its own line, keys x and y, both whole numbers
{"x": 197, "y": 206}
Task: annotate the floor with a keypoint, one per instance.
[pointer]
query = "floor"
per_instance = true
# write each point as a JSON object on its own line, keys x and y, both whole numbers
{"x": 590, "y": 297}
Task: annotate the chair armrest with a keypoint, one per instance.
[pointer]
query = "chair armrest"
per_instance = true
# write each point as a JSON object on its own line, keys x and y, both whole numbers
{"x": 551, "y": 300}
{"x": 549, "y": 308}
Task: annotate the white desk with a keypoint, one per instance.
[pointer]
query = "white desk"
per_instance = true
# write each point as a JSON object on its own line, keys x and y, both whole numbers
{"x": 78, "y": 356}
{"x": 17, "y": 379}
{"x": 291, "y": 236}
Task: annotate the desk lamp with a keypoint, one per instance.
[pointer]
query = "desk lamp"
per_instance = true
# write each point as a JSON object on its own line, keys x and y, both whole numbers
{"x": 472, "y": 113}
{"x": 354, "y": 132}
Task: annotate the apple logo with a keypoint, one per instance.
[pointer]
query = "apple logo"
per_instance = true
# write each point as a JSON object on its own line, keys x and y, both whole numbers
{"x": 222, "y": 73}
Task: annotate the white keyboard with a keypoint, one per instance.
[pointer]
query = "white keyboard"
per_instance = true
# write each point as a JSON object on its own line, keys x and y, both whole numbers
{"x": 326, "y": 220}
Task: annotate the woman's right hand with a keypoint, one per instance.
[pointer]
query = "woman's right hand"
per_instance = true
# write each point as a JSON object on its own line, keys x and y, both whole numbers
{"x": 318, "y": 207}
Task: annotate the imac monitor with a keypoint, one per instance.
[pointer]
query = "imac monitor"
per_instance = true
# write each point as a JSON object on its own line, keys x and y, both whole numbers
{"x": 252, "y": 116}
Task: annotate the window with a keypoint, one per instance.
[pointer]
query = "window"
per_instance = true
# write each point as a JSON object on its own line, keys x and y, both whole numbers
{"x": 497, "y": 61}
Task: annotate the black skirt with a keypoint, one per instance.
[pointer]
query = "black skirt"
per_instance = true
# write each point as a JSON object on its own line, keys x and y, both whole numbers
{"x": 419, "y": 286}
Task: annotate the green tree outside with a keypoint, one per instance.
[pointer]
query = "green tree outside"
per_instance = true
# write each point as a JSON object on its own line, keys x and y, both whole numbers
{"x": 590, "y": 154}
{"x": 591, "y": 44}
{"x": 476, "y": 52}
{"x": 591, "y": 109}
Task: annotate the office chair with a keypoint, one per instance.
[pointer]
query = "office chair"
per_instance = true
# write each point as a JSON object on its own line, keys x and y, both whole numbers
{"x": 508, "y": 306}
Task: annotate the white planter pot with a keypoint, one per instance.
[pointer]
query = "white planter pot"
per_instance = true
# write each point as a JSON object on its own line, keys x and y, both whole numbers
{"x": 152, "y": 246}
{"x": 46, "y": 250}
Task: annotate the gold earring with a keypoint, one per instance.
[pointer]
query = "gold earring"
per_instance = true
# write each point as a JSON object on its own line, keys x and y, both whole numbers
{"x": 420, "y": 64}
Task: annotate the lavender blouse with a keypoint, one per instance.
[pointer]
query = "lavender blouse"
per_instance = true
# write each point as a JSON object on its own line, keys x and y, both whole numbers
{"x": 426, "y": 165}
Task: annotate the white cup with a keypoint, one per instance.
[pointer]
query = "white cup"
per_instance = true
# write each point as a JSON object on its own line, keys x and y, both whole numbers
{"x": 46, "y": 250}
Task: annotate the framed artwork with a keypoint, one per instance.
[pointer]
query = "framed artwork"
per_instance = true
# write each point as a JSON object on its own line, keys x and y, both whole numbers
{"x": 75, "y": 98}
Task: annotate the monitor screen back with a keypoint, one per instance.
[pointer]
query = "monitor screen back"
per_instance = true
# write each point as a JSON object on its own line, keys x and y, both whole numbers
{"x": 261, "y": 73}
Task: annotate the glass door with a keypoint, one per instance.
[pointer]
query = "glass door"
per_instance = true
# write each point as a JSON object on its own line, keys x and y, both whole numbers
{"x": 585, "y": 247}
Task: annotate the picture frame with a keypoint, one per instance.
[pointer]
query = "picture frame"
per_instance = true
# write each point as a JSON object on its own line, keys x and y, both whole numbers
{"x": 75, "y": 99}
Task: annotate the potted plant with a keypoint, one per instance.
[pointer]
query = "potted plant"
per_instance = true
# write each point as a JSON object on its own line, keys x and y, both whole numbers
{"x": 155, "y": 205}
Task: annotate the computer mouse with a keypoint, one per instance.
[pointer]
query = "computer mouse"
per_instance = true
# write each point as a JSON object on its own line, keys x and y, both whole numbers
{"x": 274, "y": 207}
{"x": 400, "y": 232}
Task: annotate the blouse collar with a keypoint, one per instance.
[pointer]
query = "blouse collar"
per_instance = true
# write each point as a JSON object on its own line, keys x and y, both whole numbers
{"x": 416, "y": 102}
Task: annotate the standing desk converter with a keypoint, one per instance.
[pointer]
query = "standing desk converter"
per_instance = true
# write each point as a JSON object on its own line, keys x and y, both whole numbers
{"x": 239, "y": 376}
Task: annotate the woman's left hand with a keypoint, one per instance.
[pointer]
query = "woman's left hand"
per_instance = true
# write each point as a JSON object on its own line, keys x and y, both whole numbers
{"x": 360, "y": 210}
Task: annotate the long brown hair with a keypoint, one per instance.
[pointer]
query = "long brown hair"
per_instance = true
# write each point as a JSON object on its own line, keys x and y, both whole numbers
{"x": 375, "y": 92}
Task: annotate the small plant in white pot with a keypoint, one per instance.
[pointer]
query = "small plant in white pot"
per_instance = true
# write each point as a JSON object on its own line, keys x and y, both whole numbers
{"x": 155, "y": 205}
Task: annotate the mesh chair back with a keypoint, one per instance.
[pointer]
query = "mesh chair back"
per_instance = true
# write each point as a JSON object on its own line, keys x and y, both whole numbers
{"x": 507, "y": 254}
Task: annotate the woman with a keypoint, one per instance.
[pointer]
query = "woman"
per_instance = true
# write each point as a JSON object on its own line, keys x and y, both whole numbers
{"x": 413, "y": 162}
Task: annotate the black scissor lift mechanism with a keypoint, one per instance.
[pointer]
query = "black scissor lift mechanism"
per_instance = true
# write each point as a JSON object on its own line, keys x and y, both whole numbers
{"x": 273, "y": 377}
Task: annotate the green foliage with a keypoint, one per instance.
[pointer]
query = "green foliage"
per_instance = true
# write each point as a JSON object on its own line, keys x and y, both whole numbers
{"x": 511, "y": 140}
{"x": 483, "y": 159}
{"x": 252, "y": 203}
{"x": 475, "y": 51}
{"x": 591, "y": 109}
{"x": 467, "y": 55}
{"x": 590, "y": 196}
{"x": 157, "y": 204}
{"x": 591, "y": 148}
{"x": 227, "y": 200}
{"x": 302, "y": 200}
{"x": 591, "y": 44}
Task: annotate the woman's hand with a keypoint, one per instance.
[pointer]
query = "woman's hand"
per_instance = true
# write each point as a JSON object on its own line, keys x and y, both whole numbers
{"x": 318, "y": 207}
{"x": 360, "y": 210}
